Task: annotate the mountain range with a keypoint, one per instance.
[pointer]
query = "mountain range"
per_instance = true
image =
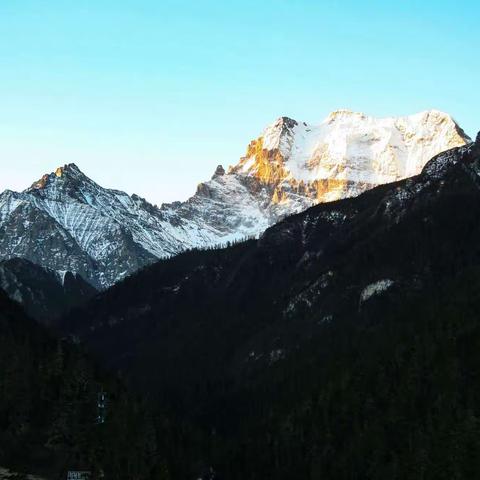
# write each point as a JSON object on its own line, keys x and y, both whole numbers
{"x": 338, "y": 340}
{"x": 67, "y": 222}
{"x": 343, "y": 343}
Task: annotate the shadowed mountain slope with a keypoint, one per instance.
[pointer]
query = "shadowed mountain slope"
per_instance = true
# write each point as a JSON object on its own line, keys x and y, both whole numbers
{"x": 45, "y": 294}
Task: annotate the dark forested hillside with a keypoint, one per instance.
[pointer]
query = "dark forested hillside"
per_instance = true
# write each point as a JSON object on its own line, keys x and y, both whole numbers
{"x": 45, "y": 294}
{"x": 49, "y": 418}
{"x": 343, "y": 344}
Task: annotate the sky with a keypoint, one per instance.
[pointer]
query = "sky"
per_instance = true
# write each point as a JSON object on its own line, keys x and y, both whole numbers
{"x": 149, "y": 96}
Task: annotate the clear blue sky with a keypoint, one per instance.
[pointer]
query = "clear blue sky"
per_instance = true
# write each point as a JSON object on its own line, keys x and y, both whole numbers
{"x": 149, "y": 95}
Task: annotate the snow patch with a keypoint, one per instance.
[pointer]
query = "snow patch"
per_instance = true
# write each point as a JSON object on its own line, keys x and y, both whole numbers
{"x": 375, "y": 288}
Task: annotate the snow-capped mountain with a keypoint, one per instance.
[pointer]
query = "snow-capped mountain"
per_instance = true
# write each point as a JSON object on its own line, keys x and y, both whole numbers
{"x": 346, "y": 154}
{"x": 65, "y": 221}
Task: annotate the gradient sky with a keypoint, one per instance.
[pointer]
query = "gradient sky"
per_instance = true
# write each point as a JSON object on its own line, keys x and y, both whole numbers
{"x": 148, "y": 96}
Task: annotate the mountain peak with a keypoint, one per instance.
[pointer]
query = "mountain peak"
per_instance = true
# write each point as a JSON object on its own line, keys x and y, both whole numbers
{"x": 286, "y": 122}
{"x": 476, "y": 145}
{"x": 68, "y": 170}
{"x": 346, "y": 154}
{"x": 219, "y": 171}
{"x": 274, "y": 135}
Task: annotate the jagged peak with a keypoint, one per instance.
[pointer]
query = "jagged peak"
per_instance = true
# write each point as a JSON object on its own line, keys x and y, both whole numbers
{"x": 219, "y": 171}
{"x": 272, "y": 135}
{"x": 285, "y": 122}
{"x": 475, "y": 146}
{"x": 280, "y": 125}
{"x": 67, "y": 170}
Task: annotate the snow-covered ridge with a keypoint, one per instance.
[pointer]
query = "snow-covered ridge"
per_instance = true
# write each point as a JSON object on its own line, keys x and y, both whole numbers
{"x": 66, "y": 221}
{"x": 352, "y": 147}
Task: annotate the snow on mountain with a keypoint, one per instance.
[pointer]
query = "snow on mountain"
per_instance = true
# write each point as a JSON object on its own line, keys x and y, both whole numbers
{"x": 347, "y": 153}
{"x": 65, "y": 221}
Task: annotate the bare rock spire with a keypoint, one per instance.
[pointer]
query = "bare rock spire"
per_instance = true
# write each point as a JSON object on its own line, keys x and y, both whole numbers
{"x": 219, "y": 171}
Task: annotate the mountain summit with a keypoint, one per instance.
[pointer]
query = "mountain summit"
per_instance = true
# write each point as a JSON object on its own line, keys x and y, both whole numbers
{"x": 346, "y": 154}
{"x": 66, "y": 221}
{"x": 68, "y": 171}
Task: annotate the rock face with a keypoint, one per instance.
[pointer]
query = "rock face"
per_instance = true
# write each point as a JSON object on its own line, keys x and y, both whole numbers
{"x": 65, "y": 221}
